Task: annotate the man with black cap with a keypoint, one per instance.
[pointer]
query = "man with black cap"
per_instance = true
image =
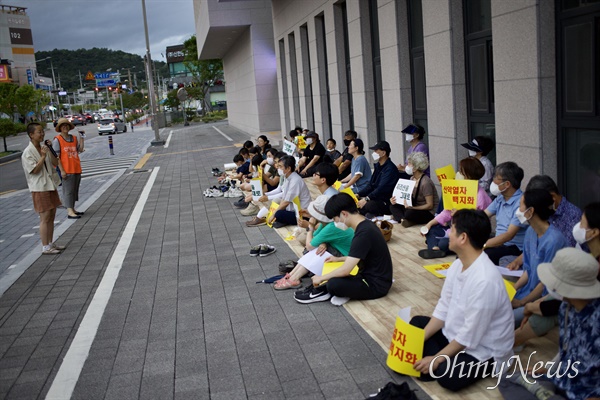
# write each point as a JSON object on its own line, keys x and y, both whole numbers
{"x": 376, "y": 195}
{"x": 312, "y": 156}
{"x": 479, "y": 147}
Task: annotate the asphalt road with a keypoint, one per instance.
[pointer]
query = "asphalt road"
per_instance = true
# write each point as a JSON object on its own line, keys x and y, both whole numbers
{"x": 12, "y": 176}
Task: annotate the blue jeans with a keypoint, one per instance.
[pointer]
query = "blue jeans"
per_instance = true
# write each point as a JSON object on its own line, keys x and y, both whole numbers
{"x": 435, "y": 237}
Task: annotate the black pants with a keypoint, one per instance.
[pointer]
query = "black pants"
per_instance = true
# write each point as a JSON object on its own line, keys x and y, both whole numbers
{"x": 286, "y": 217}
{"x": 375, "y": 207}
{"x": 354, "y": 287}
{"x": 496, "y": 253}
{"x": 458, "y": 374}
{"x": 419, "y": 217}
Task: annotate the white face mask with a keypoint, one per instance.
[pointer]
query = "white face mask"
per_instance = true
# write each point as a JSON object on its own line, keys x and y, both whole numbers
{"x": 270, "y": 160}
{"x": 340, "y": 225}
{"x": 409, "y": 138}
{"x": 280, "y": 172}
{"x": 472, "y": 153}
{"x": 521, "y": 216}
{"x": 579, "y": 233}
{"x": 309, "y": 141}
{"x": 495, "y": 189}
{"x": 375, "y": 156}
{"x": 409, "y": 169}
{"x": 459, "y": 176}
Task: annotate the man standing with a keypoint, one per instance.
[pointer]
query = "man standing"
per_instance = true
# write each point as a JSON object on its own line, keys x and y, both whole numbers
{"x": 40, "y": 165}
{"x": 473, "y": 322}
{"x": 67, "y": 147}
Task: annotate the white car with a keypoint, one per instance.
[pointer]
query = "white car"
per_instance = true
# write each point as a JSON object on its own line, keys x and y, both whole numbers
{"x": 114, "y": 125}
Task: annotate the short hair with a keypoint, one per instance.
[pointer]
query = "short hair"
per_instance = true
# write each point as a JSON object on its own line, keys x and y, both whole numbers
{"x": 238, "y": 158}
{"x": 541, "y": 200}
{"x": 248, "y": 144}
{"x": 510, "y": 171}
{"x": 244, "y": 152}
{"x": 257, "y": 159}
{"x": 293, "y": 133}
{"x": 360, "y": 145}
{"x": 486, "y": 144}
{"x": 592, "y": 214}
{"x": 542, "y": 182}
{"x": 272, "y": 151}
{"x": 472, "y": 168}
{"x": 419, "y": 160}
{"x": 352, "y": 133}
{"x": 338, "y": 203}
{"x": 288, "y": 162}
{"x": 328, "y": 171}
{"x": 475, "y": 223}
{"x": 280, "y": 155}
{"x": 298, "y": 129}
{"x": 31, "y": 127}
{"x": 332, "y": 140}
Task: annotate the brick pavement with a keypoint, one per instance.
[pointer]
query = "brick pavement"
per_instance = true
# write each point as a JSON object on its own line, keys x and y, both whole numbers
{"x": 186, "y": 318}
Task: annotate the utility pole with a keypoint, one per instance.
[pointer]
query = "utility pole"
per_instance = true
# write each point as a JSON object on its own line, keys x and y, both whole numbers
{"x": 80, "y": 81}
{"x": 157, "y": 140}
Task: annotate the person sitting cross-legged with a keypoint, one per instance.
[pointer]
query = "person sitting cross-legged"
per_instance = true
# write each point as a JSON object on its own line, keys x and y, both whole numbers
{"x": 473, "y": 319}
{"x": 368, "y": 250}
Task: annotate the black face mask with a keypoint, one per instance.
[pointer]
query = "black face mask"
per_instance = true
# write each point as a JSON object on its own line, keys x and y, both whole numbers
{"x": 347, "y": 142}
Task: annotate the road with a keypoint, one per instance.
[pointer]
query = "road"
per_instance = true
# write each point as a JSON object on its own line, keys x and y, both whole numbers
{"x": 11, "y": 174}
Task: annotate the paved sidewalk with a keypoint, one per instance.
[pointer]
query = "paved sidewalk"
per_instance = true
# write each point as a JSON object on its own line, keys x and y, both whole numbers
{"x": 185, "y": 318}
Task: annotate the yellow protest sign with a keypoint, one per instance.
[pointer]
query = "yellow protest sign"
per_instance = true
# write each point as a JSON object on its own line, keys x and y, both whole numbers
{"x": 337, "y": 185}
{"x": 260, "y": 174}
{"x": 438, "y": 270}
{"x": 406, "y": 347}
{"x": 296, "y": 201}
{"x": 332, "y": 266}
{"x": 351, "y": 193}
{"x": 459, "y": 194}
{"x": 446, "y": 172}
{"x": 274, "y": 206}
{"x": 510, "y": 289}
{"x": 301, "y": 143}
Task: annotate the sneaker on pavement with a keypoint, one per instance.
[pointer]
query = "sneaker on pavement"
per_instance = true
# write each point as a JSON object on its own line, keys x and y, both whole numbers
{"x": 266, "y": 250}
{"x": 287, "y": 266}
{"x": 217, "y": 193}
{"x": 255, "y": 250}
{"x": 317, "y": 294}
{"x": 250, "y": 210}
{"x": 339, "y": 301}
{"x": 58, "y": 247}
{"x": 256, "y": 222}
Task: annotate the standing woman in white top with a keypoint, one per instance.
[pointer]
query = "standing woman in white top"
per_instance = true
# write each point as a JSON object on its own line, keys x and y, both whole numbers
{"x": 39, "y": 164}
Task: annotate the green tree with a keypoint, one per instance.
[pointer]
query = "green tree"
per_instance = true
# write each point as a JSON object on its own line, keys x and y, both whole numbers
{"x": 7, "y": 128}
{"x": 172, "y": 101}
{"x": 205, "y": 72}
{"x": 7, "y": 98}
{"x": 28, "y": 99}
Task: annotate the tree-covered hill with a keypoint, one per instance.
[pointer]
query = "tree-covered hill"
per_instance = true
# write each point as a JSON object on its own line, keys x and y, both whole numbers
{"x": 69, "y": 63}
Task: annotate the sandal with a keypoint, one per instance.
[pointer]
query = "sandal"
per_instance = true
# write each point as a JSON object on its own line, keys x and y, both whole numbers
{"x": 51, "y": 252}
{"x": 286, "y": 283}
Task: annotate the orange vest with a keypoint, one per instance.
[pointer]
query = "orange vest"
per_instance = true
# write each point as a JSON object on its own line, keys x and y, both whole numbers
{"x": 69, "y": 157}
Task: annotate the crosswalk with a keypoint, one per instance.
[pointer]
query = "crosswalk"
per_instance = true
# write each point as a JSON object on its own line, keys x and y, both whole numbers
{"x": 106, "y": 165}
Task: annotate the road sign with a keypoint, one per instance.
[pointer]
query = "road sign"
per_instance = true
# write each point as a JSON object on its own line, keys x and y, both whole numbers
{"x": 102, "y": 83}
{"x": 102, "y": 75}
{"x": 89, "y": 76}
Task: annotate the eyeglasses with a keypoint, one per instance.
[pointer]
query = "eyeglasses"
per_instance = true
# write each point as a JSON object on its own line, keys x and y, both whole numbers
{"x": 317, "y": 174}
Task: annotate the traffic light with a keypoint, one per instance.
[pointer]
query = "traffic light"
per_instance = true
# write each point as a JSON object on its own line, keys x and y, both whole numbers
{"x": 109, "y": 88}
{"x": 96, "y": 89}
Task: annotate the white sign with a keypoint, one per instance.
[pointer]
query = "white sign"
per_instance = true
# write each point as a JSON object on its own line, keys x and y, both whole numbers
{"x": 314, "y": 263}
{"x": 288, "y": 147}
{"x": 256, "y": 188}
{"x": 403, "y": 191}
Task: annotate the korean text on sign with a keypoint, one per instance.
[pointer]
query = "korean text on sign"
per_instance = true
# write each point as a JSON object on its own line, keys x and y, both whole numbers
{"x": 458, "y": 194}
{"x": 403, "y": 191}
{"x": 257, "y": 191}
{"x": 406, "y": 347}
{"x": 288, "y": 147}
{"x": 446, "y": 172}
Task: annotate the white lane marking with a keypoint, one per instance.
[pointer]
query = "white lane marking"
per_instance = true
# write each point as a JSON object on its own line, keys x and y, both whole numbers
{"x": 226, "y": 137}
{"x": 36, "y": 227}
{"x": 27, "y": 209}
{"x": 168, "y": 140}
{"x": 70, "y": 369}
{"x": 12, "y": 266}
{"x": 27, "y": 235}
{"x": 2, "y": 240}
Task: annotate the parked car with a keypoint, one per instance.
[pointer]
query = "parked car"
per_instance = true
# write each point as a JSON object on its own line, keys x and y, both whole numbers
{"x": 111, "y": 125}
{"x": 78, "y": 120}
{"x": 89, "y": 118}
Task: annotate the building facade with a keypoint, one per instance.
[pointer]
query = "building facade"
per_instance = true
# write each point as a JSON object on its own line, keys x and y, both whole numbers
{"x": 524, "y": 72}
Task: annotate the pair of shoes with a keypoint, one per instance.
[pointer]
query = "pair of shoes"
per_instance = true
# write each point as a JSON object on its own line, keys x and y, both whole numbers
{"x": 287, "y": 266}
{"x": 429, "y": 254}
{"x": 57, "y": 247}
{"x": 286, "y": 283}
{"x": 252, "y": 209}
{"x": 216, "y": 171}
{"x": 79, "y": 212}
{"x": 406, "y": 223}
{"x": 339, "y": 301}
{"x": 394, "y": 391}
{"x": 233, "y": 192}
{"x": 262, "y": 250}
{"x": 241, "y": 203}
{"x": 278, "y": 224}
{"x": 314, "y": 295}
{"x": 73, "y": 216}
{"x": 256, "y": 221}
{"x": 255, "y": 250}
{"x": 51, "y": 252}
{"x": 213, "y": 192}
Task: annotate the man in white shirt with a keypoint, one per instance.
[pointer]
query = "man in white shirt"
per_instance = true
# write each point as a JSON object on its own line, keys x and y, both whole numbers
{"x": 473, "y": 320}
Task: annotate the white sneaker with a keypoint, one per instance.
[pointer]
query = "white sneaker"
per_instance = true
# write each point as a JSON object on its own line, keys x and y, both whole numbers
{"x": 217, "y": 193}
{"x": 339, "y": 301}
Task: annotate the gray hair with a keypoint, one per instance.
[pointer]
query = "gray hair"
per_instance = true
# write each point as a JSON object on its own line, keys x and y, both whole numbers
{"x": 419, "y": 160}
{"x": 510, "y": 171}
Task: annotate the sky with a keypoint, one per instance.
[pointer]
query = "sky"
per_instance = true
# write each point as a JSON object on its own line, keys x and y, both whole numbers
{"x": 113, "y": 24}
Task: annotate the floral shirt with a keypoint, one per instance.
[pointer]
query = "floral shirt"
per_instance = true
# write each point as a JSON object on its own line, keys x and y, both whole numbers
{"x": 579, "y": 341}
{"x": 564, "y": 219}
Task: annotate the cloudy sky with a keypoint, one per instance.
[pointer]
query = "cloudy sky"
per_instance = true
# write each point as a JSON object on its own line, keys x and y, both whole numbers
{"x": 114, "y": 24}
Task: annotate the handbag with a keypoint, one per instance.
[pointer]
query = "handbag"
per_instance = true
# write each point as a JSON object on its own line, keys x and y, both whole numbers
{"x": 386, "y": 228}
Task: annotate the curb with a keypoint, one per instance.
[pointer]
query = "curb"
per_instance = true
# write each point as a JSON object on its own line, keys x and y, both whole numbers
{"x": 10, "y": 157}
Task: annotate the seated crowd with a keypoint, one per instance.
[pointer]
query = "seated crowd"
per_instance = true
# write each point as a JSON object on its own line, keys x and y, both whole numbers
{"x": 475, "y": 321}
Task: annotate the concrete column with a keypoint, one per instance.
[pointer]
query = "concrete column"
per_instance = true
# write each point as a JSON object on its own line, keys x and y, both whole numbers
{"x": 525, "y": 84}
{"x": 336, "y": 69}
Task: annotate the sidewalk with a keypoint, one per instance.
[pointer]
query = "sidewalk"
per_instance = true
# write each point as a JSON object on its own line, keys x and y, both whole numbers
{"x": 185, "y": 318}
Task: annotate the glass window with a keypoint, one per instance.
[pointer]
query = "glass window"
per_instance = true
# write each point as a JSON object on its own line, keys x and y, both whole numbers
{"x": 478, "y": 77}
{"x": 420, "y": 89}
{"x": 479, "y": 15}
{"x": 578, "y": 65}
{"x": 582, "y": 176}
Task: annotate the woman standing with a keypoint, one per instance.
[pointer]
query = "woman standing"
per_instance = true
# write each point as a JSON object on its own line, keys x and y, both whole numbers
{"x": 414, "y": 136}
{"x": 67, "y": 148}
{"x": 40, "y": 165}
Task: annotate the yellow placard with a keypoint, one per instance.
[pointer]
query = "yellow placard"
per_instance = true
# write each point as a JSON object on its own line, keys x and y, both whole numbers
{"x": 351, "y": 193}
{"x": 272, "y": 209}
{"x": 332, "y": 266}
{"x": 435, "y": 268}
{"x": 260, "y": 174}
{"x": 510, "y": 289}
{"x": 406, "y": 348}
{"x": 337, "y": 185}
{"x": 458, "y": 194}
{"x": 297, "y": 202}
{"x": 446, "y": 172}
{"x": 301, "y": 143}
